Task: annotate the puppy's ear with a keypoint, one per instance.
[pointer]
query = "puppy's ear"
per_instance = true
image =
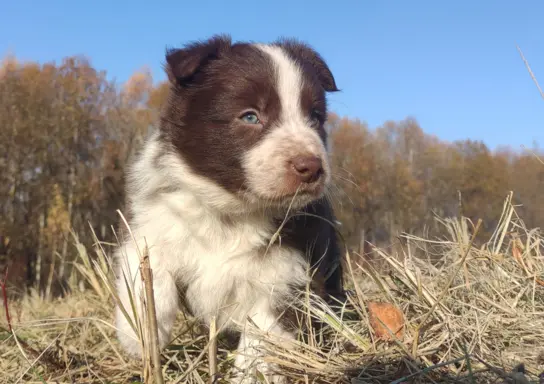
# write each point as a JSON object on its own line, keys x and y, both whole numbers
{"x": 182, "y": 64}
{"x": 306, "y": 55}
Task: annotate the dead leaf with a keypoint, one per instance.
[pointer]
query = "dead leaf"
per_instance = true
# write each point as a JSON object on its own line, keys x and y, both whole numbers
{"x": 384, "y": 316}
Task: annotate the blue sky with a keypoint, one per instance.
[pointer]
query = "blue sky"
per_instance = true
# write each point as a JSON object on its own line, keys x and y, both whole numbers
{"x": 451, "y": 65}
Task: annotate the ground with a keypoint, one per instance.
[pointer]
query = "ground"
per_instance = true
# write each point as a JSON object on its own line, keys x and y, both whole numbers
{"x": 468, "y": 315}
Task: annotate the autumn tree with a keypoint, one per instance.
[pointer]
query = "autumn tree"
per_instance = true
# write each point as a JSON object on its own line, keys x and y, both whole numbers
{"x": 67, "y": 134}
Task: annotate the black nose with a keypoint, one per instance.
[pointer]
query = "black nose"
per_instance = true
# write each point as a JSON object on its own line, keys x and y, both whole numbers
{"x": 308, "y": 169}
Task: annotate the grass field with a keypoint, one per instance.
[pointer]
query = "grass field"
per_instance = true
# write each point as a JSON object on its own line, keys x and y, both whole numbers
{"x": 470, "y": 315}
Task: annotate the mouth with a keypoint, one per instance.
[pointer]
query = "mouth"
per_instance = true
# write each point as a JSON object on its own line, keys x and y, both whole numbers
{"x": 288, "y": 198}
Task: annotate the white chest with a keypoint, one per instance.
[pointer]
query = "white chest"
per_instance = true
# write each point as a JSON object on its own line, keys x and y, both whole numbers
{"x": 224, "y": 267}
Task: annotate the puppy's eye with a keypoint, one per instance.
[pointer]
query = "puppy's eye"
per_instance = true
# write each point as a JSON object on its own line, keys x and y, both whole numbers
{"x": 250, "y": 118}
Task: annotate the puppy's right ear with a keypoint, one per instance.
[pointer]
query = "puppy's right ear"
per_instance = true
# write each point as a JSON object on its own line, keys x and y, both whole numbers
{"x": 183, "y": 64}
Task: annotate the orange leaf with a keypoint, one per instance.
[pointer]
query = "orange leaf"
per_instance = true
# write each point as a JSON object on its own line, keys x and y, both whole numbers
{"x": 518, "y": 256}
{"x": 384, "y": 316}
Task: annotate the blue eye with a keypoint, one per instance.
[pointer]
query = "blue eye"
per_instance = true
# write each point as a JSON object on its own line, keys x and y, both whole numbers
{"x": 250, "y": 118}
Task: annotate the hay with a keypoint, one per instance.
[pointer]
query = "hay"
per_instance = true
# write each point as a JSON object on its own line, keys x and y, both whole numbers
{"x": 472, "y": 314}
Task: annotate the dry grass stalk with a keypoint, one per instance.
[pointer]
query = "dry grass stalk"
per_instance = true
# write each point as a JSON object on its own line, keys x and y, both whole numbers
{"x": 152, "y": 328}
{"x": 530, "y": 71}
{"x": 212, "y": 351}
{"x": 446, "y": 288}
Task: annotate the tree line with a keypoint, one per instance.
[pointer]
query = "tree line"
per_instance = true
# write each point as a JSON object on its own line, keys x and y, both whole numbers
{"x": 67, "y": 133}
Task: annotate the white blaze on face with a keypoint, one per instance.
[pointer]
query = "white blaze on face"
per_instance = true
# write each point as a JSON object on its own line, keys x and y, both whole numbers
{"x": 266, "y": 164}
{"x": 289, "y": 84}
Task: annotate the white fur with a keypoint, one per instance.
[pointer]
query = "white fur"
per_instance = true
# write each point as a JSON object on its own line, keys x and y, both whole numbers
{"x": 183, "y": 216}
{"x": 293, "y": 136}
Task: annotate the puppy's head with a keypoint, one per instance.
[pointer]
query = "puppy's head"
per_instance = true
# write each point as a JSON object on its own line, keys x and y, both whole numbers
{"x": 250, "y": 118}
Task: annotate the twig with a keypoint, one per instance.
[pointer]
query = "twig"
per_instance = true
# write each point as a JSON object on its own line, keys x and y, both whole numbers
{"x": 212, "y": 350}
{"x": 147, "y": 278}
{"x": 5, "y": 298}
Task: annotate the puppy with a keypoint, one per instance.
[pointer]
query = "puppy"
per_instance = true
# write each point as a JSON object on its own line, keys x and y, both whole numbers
{"x": 239, "y": 156}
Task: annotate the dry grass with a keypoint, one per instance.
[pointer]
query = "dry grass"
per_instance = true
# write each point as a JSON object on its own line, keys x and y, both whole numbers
{"x": 472, "y": 315}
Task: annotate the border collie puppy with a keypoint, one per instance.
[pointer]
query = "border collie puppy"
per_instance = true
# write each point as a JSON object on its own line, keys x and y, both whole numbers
{"x": 240, "y": 147}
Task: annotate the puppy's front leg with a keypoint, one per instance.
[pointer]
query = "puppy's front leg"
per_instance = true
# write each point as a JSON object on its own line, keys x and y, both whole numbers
{"x": 250, "y": 353}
